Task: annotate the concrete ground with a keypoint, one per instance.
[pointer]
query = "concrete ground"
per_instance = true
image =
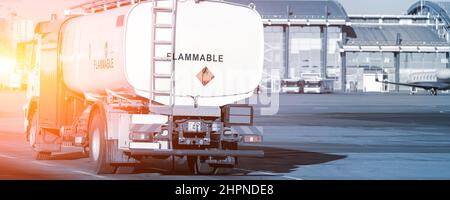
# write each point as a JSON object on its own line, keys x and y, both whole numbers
{"x": 371, "y": 136}
{"x": 335, "y": 136}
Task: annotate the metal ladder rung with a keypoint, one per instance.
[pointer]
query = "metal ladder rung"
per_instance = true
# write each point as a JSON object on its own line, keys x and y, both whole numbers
{"x": 155, "y": 93}
{"x": 162, "y": 59}
{"x": 163, "y": 26}
{"x": 161, "y": 93}
{"x": 163, "y": 9}
{"x": 161, "y": 42}
{"x": 163, "y": 76}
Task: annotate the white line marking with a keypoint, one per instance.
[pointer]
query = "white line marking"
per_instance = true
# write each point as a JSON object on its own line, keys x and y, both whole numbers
{"x": 293, "y": 178}
{"x": 6, "y": 156}
{"x": 271, "y": 174}
{"x": 51, "y": 165}
{"x": 42, "y": 163}
{"x": 89, "y": 174}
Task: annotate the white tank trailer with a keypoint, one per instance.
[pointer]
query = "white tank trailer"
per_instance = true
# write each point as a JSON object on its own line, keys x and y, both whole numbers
{"x": 103, "y": 69}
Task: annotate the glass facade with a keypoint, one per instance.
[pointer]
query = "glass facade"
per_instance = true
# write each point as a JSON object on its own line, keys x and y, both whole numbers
{"x": 292, "y": 51}
{"x": 275, "y": 43}
{"x": 333, "y": 56}
{"x": 361, "y": 63}
{"x": 305, "y": 51}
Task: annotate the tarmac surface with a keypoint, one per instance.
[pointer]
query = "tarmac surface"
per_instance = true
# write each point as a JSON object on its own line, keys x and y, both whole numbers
{"x": 330, "y": 136}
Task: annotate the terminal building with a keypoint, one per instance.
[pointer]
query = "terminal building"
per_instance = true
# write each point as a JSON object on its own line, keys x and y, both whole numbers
{"x": 319, "y": 37}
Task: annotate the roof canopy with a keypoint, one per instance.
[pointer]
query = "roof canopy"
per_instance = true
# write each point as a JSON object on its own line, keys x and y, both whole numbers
{"x": 394, "y": 39}
{"x": 441, "y": 8}
{"x": 387, "y": 35}
{"x": 292, "y": 9}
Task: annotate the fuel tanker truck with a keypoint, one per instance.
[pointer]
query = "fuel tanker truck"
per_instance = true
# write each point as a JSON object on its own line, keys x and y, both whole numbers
{"x": 128, "y": 81}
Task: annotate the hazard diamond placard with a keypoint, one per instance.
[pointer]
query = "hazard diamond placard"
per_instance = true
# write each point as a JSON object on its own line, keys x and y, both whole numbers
{"x": 205, "y": 76}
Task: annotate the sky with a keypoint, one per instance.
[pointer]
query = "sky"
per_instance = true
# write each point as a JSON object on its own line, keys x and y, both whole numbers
{"x": 387, "y": 7}
{"x": 42, "y": 9}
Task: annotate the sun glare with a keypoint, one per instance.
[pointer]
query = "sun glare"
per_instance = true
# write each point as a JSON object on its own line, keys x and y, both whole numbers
{"x": 7, "y": 64}
{"x": 7, "y": 70}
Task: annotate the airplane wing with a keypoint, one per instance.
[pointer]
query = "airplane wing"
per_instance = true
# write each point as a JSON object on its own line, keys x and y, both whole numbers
{"x": 423, "y": 86}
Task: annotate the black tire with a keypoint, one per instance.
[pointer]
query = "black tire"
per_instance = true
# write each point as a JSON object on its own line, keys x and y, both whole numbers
{"x": 99, "y": 152}
{"x": 32, "y": 130}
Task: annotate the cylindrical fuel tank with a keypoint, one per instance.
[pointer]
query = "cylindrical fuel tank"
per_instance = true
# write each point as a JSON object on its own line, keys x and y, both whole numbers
{"x": 219, "y": 52}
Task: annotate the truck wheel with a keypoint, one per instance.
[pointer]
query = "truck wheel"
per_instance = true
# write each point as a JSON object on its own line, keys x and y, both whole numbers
{"x": 98, "y": 151}
{"x": 32, "y": 130}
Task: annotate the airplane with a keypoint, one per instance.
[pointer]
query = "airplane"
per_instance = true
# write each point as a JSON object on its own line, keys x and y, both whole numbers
{"x": 430, "y": 81}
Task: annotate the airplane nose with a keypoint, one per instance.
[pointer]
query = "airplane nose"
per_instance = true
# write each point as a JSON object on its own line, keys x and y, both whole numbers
{"x": 443, "y": 74}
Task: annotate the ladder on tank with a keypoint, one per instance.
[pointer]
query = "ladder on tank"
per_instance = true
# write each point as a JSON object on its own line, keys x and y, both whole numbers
{"x": 168, "y": 7}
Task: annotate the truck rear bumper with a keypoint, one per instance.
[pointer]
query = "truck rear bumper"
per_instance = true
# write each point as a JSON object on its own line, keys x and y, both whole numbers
{"x": 234, "y": 153}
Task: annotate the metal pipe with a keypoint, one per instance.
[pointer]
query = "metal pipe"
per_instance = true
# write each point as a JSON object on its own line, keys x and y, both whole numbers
{"x": 238, "y": 153}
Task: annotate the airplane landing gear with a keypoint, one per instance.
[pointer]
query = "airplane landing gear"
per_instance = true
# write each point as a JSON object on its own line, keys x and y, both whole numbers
{"x": 433, "y": 92}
